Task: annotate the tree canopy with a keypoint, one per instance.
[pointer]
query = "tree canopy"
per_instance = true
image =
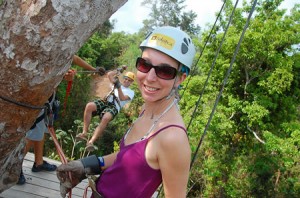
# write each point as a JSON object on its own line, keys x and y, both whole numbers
{"x": 171, "y": 13}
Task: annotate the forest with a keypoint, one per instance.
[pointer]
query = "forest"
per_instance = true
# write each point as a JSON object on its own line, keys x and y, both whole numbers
{"x": 240, "y": 103}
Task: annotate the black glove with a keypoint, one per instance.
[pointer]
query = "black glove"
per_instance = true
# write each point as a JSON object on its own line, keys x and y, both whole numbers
{"x": 78, "y": 169}
{"x": 121, "y": 69}
{"x": 100, "y": 70}
{"x": 117, "y": 83}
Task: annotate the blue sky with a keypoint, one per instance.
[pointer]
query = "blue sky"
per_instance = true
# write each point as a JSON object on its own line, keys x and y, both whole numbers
{"x": 130, "y": 16}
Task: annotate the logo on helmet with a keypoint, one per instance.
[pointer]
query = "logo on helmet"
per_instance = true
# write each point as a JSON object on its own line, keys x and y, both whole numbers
{"x": 184, "y": 45}
{"x": 162, "y": 40}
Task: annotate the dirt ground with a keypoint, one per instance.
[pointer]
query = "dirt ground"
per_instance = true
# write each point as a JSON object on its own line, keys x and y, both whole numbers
{"x": 100, "y": 86}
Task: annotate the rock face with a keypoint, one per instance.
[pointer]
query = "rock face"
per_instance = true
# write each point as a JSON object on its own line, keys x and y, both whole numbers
{"x": 37, "y": 42}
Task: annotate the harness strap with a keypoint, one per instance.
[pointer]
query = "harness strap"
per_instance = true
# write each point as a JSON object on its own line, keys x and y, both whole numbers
{"x": 47, "y": 110}
{"x": 40, "y": 118}
{"x": 115, "y": 98}
{"x": 110, "y": 93}
{"x": 92, "y": 185}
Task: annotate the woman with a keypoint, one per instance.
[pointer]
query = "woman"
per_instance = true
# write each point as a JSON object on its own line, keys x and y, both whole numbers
{"x": 155, "y": 149}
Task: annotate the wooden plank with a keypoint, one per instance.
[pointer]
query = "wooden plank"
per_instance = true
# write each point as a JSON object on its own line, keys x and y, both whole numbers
{"x": 18, "y": 194}
{"x": 41, "y": 184}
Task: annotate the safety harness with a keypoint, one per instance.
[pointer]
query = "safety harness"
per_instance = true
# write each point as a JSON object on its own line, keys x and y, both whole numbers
{"x": 114, "y": 97}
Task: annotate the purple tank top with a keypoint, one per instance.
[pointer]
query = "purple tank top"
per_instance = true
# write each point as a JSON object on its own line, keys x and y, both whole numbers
{"x": 130, "y": 175}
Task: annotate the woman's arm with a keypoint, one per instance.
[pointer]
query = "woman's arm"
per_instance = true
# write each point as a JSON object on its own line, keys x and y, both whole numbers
{"x": 109, "y": 160}
{"x": 174, "y": 156}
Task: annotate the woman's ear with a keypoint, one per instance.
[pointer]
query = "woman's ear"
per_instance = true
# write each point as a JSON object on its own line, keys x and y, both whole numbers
{"x": 180, "y": 79}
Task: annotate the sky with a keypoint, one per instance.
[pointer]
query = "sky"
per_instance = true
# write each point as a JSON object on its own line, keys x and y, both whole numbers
{"x": 131, "y": 15}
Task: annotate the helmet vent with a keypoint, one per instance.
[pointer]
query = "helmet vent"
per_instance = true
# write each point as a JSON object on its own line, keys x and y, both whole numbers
{"x": 184, "y": 45}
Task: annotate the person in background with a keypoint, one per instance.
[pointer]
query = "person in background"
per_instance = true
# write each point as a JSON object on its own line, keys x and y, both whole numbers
{"x": 108, "y": 107}
{"x": 36, "y": 135}
{"x": 155, "y": 149}
{"x": 35, "y": 139}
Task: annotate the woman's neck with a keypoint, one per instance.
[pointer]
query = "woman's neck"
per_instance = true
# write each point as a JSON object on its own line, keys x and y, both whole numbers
{"x": 155, "y": 109}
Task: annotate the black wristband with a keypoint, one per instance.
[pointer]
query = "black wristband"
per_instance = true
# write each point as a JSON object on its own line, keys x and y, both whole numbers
{"x": 92, "y": 163}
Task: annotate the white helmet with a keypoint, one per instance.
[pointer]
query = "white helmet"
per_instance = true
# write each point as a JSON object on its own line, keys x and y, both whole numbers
{"x": 173, "y": 42}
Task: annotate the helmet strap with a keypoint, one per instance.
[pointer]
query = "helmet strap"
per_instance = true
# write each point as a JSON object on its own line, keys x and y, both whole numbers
{"x": 173, "y": 90}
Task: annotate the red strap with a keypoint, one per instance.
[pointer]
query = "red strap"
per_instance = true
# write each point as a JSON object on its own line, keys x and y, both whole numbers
{"x": 69, "y": 76}
{"x": 85, "y": 192}
{"x": 68, "y": 91}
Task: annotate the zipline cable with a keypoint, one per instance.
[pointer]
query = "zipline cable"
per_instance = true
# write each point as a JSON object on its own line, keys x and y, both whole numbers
{"x": 193, "y": 68}
{"x": 201, "y": 53}
{"x": 213, "y": 65}
{"x": 225, "y": 79}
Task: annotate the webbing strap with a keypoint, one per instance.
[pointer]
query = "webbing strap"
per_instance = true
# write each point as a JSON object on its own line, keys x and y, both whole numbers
{"x": 68, "y": 91}
{"x": 91, "y": 184}
{"x": 110, "y": 93}
{"x": 115, "y": 98}
{"x": 93, "y": 187}
{"x": 68, "y": 77}
{"x": 60, "y": 152}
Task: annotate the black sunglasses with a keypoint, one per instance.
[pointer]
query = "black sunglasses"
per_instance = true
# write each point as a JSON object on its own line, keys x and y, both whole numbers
{"x": 165, "y": 72}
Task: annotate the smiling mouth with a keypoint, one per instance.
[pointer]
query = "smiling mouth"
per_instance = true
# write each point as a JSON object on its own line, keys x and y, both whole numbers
{"x": 150, "y": 88}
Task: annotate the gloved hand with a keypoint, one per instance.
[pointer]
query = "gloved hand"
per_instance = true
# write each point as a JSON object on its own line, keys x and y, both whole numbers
{"x": 76, "y": 170}
{"x": 100, "y": 70}
{"x": 121, "y": 69}
{"x": 79, "y": 169}
{"x": 117, "y": 83}
{"x": 69, "y": 76}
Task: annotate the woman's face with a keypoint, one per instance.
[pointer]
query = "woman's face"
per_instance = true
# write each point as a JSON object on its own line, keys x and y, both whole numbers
{"x": 152, "y": 87}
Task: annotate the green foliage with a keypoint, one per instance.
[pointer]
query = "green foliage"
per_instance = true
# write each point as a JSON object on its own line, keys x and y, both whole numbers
{"x": 72, "y": 107}
{"x": 260, "y": 101}
{"x": 131, "y": 51}
{"x": 278, "y": 82}
{"x": 73, "y": 149}
{"x": 286, "y": 153}
{"x": 104, "y": 51}
{"x": 254, "y": 113}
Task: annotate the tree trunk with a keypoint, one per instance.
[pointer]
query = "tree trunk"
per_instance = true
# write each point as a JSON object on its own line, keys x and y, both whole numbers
{"x": 37, "y": 42}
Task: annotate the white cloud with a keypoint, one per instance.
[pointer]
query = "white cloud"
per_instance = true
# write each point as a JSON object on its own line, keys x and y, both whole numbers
{"x": 130, "y": 16}
{"x": 205, "y": 10}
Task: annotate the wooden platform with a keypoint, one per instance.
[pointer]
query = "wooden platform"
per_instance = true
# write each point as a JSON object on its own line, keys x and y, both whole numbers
{"x": 41, "y": 184}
